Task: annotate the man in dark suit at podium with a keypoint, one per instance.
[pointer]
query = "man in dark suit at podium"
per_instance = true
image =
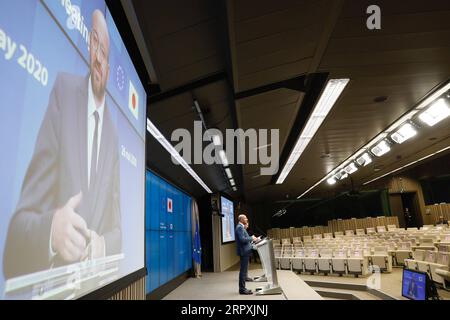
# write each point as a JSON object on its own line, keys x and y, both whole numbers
{"x": 244, "y": 250}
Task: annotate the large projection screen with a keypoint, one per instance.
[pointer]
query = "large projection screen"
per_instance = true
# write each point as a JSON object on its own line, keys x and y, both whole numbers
{"x": 72, "y": 131}
{"x": 227, "y": 210}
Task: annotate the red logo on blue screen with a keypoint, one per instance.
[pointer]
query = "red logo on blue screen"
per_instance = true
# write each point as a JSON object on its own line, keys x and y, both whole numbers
{"x": 169, "y": 205}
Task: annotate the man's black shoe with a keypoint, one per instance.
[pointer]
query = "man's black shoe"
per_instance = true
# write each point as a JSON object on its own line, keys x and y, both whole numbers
{"x": 248, "y": 292}
{"x": 248, "y": 279}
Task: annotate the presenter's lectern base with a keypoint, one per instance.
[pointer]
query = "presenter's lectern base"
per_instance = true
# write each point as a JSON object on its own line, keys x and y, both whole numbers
{"x": 268, "y": 290}
{"x": 262, "y": 278}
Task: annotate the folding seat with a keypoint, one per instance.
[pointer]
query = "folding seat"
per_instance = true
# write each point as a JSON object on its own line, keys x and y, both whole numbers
{"x": 443, "y": 263}
{"x": 360, "y": 232}
{"x": 426, "y": 244}
{"x": 381, "y": 258}
{"x": 418, "y": 255}
{"x": 391, "y": 249}
{"x": 328, "y": 235}
{"x": 357, "y": 263}
{"x": 317, "y": 237}
{"x": 427, "y": 227}
{"x": 392, "y": 227}
{"x": 444, "y": 247}
{"x": 310, "y": 261}
{"x": 370, "y": 230}
{"x": 276, "y": 241}
{"x": 277, "y": 254}
{"x": 298, "y": 260}
{"x": 286, "y": 241}
{"x": 297, "y": 240}
{"x": 412, "y": 229}
{"x": 424, "y": 266}
{"x": 338, "y": 233}
{"x": 307, "y": 238}
{"x": 285, "y": 260}
{"x": 445, "y": 238}
{"x": 403, "y": 252}
{"x": 339, "y": 261}
{"x": 324, "y": 261}
{"x": 381, "y": 229}
{"x": 349, "y": 233}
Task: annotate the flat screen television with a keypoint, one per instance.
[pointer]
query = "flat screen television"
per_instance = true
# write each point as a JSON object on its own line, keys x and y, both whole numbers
{"x": 227, "y": 211}
{"x": 415, "y": 285}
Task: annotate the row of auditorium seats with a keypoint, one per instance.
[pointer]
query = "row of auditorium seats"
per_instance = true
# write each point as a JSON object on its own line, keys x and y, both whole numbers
{"x": 358, "y": 253}
{"x": 429, "y": 261}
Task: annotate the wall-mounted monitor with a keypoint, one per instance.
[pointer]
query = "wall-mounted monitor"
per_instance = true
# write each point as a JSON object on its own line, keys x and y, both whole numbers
{"x": 227, "y": 211}
{"x": 72, "y": 126}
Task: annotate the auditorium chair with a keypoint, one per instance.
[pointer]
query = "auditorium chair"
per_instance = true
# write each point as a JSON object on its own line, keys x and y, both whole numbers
{"x": 443, "y": 263}
{"x": 328, "y": 235}
{"x": 286, "y": 241}
{"x": 391, "y": 227}
{"x": 418, "y": 255}
{"x": 298, "y": 260}
{"x": 338, "y": 234}
{"x": 370, "y": 231}
{"x": 381, "y": 258}
{"x": 339, "y": 261}
{"x": 285, "y": 260}
{"x": 381, "y": 229}
{"x": 307, "y": 238}
{"x": 403, "y": 252}
{"x": 317, "y": 237}
{"x": 357, "y": 263}
{"x": 324, "y": 261}
{"x": 424, "y": 265}
{"x": 310, "y": 261}
{"x": 360, "y": 232}
{"x": 349, "y": 233}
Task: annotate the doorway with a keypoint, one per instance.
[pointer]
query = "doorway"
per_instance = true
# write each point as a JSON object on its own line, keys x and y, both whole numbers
{"x": 406, "y": 207}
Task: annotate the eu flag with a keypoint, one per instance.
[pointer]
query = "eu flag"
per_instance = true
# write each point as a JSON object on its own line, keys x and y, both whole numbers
{"x": 197, "y": 250}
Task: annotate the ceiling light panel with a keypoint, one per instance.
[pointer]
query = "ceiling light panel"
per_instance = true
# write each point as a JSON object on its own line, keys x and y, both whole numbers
{"x": 328, "y": 98}
{"x": 151, "y": 128}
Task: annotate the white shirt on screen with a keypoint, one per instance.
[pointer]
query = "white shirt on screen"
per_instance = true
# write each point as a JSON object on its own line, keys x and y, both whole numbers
{"x": 91, "y": 127}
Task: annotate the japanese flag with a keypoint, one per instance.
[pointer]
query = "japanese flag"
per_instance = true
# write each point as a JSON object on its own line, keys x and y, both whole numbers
{"x": 169, "y": 205}
{"x": 133, "y": 101}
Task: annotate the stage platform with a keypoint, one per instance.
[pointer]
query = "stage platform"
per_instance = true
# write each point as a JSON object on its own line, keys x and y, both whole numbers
{"x": 224, "y": 286}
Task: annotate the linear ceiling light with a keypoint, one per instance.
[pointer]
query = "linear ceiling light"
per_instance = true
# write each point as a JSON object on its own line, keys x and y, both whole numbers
{"x": 437, "y": 112}
{"x": 407, "y": 165}
{"x": 228, "y": 172}
{"x": 381, "y": 148}
{"x": 232, "y": 182}
{"x": 174, "y": 153}
{"x": 364, "y": 160}
{"x": 331, "y": 93}
{"x": 351, "y": 168}
{"x": 223, "y": 158}
{"x": 405, "y": 132}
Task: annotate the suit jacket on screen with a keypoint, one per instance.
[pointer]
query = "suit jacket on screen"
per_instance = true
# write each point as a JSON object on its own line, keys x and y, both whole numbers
{"x": 58, "y": 171}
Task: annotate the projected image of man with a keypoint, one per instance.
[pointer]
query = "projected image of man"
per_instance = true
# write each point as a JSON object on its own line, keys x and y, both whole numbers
{"x": 69, "y": 209}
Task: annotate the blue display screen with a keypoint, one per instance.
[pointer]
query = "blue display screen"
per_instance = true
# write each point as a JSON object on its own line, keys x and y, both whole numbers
{"x": 414, "y": 285}
{"x": 227, "y": 210}
{"x": 168, "y": 232}
{"x": 66, "y": 78}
